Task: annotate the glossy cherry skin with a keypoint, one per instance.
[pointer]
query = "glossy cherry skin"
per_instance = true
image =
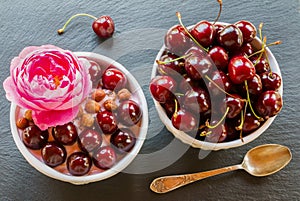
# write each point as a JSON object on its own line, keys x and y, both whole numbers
{"x": 204, "y": 32}
{"x": 95, "y": 72}
{"x": 197, "y": 100}
{"x": 261, "y": 65}
{"x": 269, "y": 104}
{"x": 104, "y": 26}
{"x": 245, "y": 50}
{"x": 34, "y": 138}
{"x": 222, "y": 80}
{"x": 113, "y": 79}
{"x": 171, "y": 68}
{"x": 270, "y": 81}
{"x": 218, "y": 134}
{"x": 248, "y": 30}
{"x": 240, "y": 69}
{"x": 107, "y": 122}
{"x": 89, "y": 140}
{"x": 123, "y": 140}
{"x": 79, "y": 163}
{"x": 177, "y": 41}
{"x": 53, "y": 154}
{"x": 184, "y": 121}
{"x": 219, "y": 56}
{"x": 129, "y": 113}
{"x": 162, "y": 88}
{"x": 236, "y": 105}
{"x": 195, "y": 50}
{"x": 251, "y": 123}
{"x": 255, "y": 85}
{"x": 230, "y": 37}
{"x": 196, "y": 67}
{"x": 169, "y": 107}
{"x": 105, "y": 157}
{"x": 65, "y": 134}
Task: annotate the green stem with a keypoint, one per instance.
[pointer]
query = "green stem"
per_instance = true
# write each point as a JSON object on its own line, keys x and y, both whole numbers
{"x": 170, "y": 61}
{"x": 221, "y": 120}
{"x": 250, "y": 105}
{"x": 187, "y": 31}
{"x": 61, "y": 31}
{"x": 220, "y": 10}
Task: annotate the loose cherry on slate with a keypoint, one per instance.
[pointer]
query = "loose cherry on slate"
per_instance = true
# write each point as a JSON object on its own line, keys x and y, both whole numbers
{"x": 103, "y": 26}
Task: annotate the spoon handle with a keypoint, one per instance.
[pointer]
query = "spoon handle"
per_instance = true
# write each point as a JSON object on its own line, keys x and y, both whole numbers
{"x": 169, "y": 183}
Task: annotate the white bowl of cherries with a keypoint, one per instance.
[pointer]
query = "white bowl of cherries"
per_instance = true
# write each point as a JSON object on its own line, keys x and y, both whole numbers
{"x": 101, "y": 141}
{"x": 216, "y": 85}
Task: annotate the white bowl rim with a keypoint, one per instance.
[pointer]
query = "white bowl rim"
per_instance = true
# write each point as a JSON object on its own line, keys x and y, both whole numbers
{"x": 185, "y": 138}
{"x": 122, "y": 164}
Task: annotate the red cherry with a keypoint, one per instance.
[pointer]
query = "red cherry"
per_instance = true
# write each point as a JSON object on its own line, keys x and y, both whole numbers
{"x": 251, "y": 123}
{"x": 197, "y": 100}
{"x": 104, "y": 26}
{"x": 79, "y": 163}
{"x": 129, "y": 113}
{"x": 105, "y": 157}
{"x": 240, "y": 69}
{"x": 230, "y": 37}
{"x": 113, "y": 79}
{"x": 204, "y": 32}
{"x": 270, "y": 81}
{"x": 219, "y": 56}
{"x": 162, "y": 88}
{"x": 235, "y": 104}
{"x": 123, "y": 140}
{"x": 255, "y": 85}
{"x": 269, "y": 104}
{"x": 107, "y": 122}
{"x": 261, "y": 65}
{"x": 248, "y": 30}
{"x": 198, "y": 66}
{"x": 165, "y": 67}
{"x": 222, "y": 80}
{"x": 184, "y": 121}
{"x": 177, "y": 41}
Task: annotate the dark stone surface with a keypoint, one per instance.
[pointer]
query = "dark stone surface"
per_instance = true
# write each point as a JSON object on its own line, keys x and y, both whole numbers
{"x": 140, "y": 26}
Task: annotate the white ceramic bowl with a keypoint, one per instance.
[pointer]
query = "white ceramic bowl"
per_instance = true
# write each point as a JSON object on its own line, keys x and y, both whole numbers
{"x": 223, "y": 145}
{"x": 122, "y": 164}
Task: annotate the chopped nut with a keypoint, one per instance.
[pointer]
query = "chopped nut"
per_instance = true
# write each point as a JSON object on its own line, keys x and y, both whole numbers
{"x": 80, "y": 112}
{"x": 110, "y": 105}
{"x": 28, "y": 115}
{"x": 98, "y": 95}
{"x": 92, "y": 106}
{"x": 87, "y": 120}
{"x": 124, "y": 94}
{"x": 22, "y": 123}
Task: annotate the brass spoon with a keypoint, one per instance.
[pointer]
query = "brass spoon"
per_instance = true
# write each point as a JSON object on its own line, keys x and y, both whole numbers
{"x": 260, "y": 161}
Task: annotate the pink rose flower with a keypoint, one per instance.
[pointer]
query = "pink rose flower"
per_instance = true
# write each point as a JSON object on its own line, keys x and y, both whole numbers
{"x": 51, "y": 82}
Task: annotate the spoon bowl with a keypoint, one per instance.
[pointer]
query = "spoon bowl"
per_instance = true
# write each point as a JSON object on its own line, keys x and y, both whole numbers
{"x": 266, "y": 159}
{"x": 259, "y": 161}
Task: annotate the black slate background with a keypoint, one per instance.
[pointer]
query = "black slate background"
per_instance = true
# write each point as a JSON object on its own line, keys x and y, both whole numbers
{"x": 24, "y": 23}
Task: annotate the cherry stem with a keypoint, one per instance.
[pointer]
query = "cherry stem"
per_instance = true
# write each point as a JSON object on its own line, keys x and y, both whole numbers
{"x": 172, "y": 60}
{"x": 250, "y": 105}
{"x": 209, "y": 79}
{"x": 219, "y": 122}
{"x": 176, "y": 108}
{"x": 61, "y": 31}
{"x": 220, "y": 10}
{"x": 205, "y": 133}
{"x": 260, "y": 30}
{"x": 187, "y": 31}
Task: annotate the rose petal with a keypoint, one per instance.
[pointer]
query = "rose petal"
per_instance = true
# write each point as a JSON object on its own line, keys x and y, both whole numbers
{"x": 45, "y": 119}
